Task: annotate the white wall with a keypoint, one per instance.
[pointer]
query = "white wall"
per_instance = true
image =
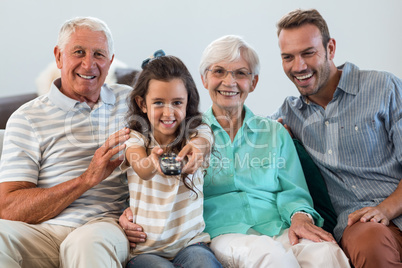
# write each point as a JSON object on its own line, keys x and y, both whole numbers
{"x": 368, "y": 33}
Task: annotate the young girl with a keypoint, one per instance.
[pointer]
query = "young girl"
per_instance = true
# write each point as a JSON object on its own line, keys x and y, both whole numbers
{"x": 164, "y": 117}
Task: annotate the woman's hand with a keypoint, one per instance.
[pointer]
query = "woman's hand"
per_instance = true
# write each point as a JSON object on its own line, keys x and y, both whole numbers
{"x": 302, "y": 227}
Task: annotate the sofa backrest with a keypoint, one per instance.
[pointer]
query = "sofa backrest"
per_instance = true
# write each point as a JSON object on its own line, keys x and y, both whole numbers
{"x": 9, "y": 104}
{"x": 1, "y": 141}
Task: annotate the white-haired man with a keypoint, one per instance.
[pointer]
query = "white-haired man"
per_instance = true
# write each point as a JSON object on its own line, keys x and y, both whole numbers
{"x": 60, "y": 193}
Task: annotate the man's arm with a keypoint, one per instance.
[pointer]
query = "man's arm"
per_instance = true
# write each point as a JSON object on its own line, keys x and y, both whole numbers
{"x": 23, "y": 201}
{"x": 391, "y": 207}
{"x": 133, "y": 231}
{"x": 387, "y": 210}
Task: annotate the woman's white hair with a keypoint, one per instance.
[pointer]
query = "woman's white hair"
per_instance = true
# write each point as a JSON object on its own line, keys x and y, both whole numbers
{"x": 91, "y": 23}
{"x": 229, "y": 48}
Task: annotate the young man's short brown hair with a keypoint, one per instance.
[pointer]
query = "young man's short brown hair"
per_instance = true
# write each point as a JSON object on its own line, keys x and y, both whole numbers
{"x": 299, "y": 17}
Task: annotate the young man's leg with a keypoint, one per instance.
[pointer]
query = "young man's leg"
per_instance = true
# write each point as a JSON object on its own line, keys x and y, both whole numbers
{"x": 370, "y": 244}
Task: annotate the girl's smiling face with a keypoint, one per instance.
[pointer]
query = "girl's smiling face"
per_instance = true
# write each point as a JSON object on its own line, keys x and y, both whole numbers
{"x": 165, "y": 105}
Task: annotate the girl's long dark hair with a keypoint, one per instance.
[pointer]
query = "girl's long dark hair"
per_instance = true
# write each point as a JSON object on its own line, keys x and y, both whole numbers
{"x": 166, "y": 68}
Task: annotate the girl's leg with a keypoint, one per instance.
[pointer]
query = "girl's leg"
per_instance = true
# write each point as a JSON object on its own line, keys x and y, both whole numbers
{"x": 149, "y": 260}
{"x": 197, "y": 255}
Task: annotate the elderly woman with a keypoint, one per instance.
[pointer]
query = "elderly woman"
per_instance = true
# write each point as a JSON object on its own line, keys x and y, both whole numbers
{"x": 257, "y": 207}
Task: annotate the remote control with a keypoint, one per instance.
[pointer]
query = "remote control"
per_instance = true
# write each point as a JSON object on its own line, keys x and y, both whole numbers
{"x": 169, "y": 164}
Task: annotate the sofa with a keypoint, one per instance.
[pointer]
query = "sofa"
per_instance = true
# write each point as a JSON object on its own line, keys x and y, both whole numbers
{"x": 1, "y": 141}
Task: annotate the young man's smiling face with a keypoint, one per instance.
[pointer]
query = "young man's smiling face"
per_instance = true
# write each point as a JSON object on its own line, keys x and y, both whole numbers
{"x": 84, "y": 63}
{"x": 304, "y": 59}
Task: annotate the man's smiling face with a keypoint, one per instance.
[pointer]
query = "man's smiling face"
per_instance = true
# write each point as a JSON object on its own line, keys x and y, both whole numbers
{"x": 84, "y": 64}
{"x": 304, "y": 59}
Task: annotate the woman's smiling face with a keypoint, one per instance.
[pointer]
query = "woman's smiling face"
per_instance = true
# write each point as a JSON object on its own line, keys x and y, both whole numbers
{"x": 229, "y": 93}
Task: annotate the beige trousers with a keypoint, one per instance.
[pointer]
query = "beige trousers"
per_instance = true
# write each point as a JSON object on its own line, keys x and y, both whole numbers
{"x": 98, "y": 243}
{"x": 260, "y": 251}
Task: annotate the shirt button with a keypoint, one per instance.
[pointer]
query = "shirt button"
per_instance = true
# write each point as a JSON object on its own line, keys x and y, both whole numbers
{"x": 354, "y": 186}
{"x": 326, "y": 123}
{"x": 356, "y": 128}
{"x": 330, "y": 151}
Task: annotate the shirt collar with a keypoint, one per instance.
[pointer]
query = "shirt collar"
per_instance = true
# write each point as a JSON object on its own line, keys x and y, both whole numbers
{"x": 66, "y": 103}
{"x": 248, "y": 118}
{"x": 347, "y": 83}
{"x": 349, "y": 79}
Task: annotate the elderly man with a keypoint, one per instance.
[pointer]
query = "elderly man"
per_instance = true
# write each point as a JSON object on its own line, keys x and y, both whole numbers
{"x": 60, "y": 193}
{"x": 350, "y": 122}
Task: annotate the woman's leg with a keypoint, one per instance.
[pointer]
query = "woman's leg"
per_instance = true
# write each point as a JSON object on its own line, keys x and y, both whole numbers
{"x": 247, "y": 251}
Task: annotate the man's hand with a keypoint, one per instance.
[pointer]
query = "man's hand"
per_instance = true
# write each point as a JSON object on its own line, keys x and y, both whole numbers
{"x": 366, "y": 214}
{"x": 389, "y": 209}
{"x": 101, "y": 165}
{"x": 280, "y": 120}
{"x": 302, "y": 227}
{"x": 24, "y": 201}
{"x": 133, "y": 231}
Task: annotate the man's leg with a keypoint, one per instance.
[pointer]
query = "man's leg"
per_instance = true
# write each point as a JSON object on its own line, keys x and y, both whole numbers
{"x": 98, "y": 243}
{"x": 30, "y": 245}
{"x": 196, "y": 255}
{"x": 370, "y": 244}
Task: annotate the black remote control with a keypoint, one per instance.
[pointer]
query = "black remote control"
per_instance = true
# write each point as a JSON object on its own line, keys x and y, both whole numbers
{"x": 169, "y": 164}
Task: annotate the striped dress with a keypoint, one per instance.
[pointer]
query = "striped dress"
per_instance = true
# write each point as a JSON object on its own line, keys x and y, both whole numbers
{"x": 170, "y": 214}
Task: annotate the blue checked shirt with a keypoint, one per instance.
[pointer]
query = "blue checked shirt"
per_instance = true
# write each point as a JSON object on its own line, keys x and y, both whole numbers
{"x": 356, "y": 141}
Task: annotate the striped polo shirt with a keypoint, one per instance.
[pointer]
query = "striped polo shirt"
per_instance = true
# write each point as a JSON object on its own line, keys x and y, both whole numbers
{"x": 52, "y": 139}
{"x": 170, "y": 214}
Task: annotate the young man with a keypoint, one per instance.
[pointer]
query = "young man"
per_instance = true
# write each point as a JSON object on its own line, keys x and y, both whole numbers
{"x": 350, "y": 122}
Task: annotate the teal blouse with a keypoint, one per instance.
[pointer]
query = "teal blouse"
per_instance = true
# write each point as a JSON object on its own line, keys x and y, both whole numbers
{"x": 256, "y": 181}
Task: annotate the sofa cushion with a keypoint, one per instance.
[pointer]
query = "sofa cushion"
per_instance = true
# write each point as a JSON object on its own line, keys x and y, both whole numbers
{"x": 317, "y": 187}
